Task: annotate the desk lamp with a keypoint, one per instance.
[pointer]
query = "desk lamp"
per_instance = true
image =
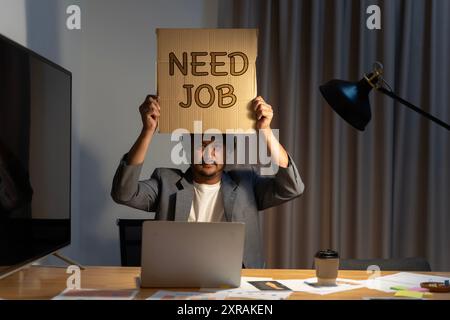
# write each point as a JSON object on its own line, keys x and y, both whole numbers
{"x": 351, "y": 99}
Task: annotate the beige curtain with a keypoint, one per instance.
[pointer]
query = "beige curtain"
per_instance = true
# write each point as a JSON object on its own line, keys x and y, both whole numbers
{"x": 380, "y": 193}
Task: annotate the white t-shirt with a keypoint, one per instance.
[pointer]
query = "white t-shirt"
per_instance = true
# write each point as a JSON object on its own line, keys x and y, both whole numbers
{"x": 208, "y": 203}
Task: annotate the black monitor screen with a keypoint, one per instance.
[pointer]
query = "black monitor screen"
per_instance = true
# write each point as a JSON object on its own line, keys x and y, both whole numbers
{"x": 35, "y": 124}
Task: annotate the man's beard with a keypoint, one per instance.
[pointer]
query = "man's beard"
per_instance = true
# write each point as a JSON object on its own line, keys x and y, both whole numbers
{"x": 205, "y": 173}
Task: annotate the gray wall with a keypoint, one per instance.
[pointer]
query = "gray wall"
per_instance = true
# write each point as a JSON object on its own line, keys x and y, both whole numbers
{"x": 113, "y": 64}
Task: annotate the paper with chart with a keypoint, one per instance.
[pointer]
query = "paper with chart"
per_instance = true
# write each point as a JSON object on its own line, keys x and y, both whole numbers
{"x": 248, "y": 291}
{"x": 309, "y": 285}
{"x": 245, "y": 285}
{"x": 234, "y": 295}
{"x": 182, "y": 295}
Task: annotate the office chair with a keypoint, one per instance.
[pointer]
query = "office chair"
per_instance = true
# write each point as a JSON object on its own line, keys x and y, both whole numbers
{"x": 396, "y": 264}
{"x": 130, "y": 233}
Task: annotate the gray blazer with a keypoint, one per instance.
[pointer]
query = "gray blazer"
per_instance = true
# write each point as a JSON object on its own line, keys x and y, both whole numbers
{"x": 170, "y": 192}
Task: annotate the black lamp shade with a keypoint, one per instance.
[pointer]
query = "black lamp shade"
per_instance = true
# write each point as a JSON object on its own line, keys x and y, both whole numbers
{"x": 350, "y": 100}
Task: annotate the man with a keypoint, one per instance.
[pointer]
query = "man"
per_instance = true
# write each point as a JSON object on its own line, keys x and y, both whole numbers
{"x": 206, "y": 192}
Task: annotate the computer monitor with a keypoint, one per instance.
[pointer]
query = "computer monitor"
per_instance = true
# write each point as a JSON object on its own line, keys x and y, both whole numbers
{"x": 35, "y": 156}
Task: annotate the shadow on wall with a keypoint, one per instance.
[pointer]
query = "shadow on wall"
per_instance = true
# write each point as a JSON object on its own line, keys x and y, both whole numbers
{"x": 100, "y": 236}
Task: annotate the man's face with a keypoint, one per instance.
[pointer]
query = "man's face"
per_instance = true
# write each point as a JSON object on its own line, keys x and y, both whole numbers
{"x": 208, "y": 158}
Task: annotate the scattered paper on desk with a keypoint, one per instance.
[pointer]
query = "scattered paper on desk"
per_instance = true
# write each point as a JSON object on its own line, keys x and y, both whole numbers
{"x": 386, "y": 298}
{"x": 245, "y": 285}
{"x": 412, "y": 294}
{"x": 247, "y": 291}
{"x": 303, "y": 286}
{"x": 184, "y": 295}
{"x": 401, "y": 280}
{"x": 96, "y": 294}
{"x": 244, "y": 291}
{"x": 234, "y": 295}
{"x": 258, "y": 295}
{"x": 409, "y": 294}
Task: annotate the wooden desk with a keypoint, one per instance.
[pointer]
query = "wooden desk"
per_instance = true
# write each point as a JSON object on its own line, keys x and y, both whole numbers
{"x": 46, "y": 282}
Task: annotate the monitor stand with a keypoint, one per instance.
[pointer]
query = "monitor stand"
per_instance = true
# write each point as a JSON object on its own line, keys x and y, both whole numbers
{"x": 68, "y": 260}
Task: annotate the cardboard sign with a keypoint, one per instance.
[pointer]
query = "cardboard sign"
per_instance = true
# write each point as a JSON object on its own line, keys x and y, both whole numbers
{"x": 206, "y": 75}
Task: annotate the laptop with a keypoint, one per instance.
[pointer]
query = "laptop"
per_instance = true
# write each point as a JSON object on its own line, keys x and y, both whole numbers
{"x": 191, "y": 254}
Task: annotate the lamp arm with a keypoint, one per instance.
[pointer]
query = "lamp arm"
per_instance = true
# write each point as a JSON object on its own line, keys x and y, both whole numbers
{"x": 413, "y": 107}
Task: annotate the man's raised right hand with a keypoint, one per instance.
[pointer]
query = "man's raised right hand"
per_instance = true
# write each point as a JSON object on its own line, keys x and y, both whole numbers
{"x": 150, "y": 112}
